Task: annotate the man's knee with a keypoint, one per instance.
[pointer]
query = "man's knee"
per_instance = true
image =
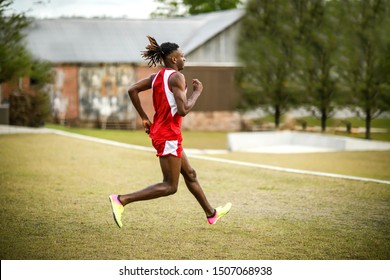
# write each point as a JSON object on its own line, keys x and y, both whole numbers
{"x": 191, "y": 175}
{"x": 170, "y": 189}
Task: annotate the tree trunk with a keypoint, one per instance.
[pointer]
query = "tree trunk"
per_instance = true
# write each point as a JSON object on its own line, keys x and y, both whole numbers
{"x": 277, "y": 116}
{"x": 323, "y": 120}
{"x": 368, "y": 123}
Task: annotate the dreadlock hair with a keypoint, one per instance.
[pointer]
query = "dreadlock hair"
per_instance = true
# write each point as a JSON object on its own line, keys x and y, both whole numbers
{"x": 155, "y": 53}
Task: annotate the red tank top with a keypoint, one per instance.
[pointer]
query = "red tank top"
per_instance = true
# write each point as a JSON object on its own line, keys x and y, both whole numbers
{"x": 166, "y": 121}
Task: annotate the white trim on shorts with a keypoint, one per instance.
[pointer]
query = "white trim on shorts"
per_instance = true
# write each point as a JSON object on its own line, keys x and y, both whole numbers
{"x": 170, "y": 148}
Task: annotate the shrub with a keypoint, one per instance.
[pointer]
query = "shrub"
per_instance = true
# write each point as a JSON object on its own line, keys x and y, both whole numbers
{"x": 29, "y": 109}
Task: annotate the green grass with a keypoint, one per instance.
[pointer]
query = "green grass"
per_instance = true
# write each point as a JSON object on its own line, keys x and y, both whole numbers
{"x": 55, "y": 206}
{"x": 193, "y": 139}
{"x": 362, "y": 164}
{"x": 373, "y": 164}
{"x": 383, "y": 123}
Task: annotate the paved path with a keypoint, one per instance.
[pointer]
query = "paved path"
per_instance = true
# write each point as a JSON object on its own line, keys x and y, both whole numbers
{"x": 10, "y": 129}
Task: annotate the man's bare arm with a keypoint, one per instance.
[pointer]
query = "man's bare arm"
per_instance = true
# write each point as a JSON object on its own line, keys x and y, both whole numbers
{"x": 134, "y": 91}
{"x": 178, "y": 86}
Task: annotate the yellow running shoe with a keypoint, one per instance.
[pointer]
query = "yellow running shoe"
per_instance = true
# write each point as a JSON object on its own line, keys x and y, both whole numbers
{"x": 117, "y": 209}
{"x": 219, "y": 212}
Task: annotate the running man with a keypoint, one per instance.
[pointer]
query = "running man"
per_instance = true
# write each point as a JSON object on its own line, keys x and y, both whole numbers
{"x": 170, "y": 104}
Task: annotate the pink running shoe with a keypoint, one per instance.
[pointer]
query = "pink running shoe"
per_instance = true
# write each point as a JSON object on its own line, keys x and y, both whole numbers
{"x": 117, "y": 209}
{"x": 219, "y": 212}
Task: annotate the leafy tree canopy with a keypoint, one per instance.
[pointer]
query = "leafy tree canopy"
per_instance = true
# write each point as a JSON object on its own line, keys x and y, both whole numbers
{"x": 14, "y": 58}
{"x": 180, "y": 8}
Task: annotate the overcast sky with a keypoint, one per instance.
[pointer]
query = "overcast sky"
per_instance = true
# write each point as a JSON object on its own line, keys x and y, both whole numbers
{"x": 136, "y": 9}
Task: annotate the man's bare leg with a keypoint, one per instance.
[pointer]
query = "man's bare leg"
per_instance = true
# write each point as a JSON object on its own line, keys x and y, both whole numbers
{"x": 193, "y": 185}
{"x": 170, "y": 167}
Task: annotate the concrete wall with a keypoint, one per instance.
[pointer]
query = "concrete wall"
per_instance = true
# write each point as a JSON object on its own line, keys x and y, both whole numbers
{"x": 252, "y": 141}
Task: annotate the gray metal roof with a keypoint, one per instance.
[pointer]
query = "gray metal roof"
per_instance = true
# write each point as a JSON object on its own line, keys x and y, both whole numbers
{"x": 120, "y": 40}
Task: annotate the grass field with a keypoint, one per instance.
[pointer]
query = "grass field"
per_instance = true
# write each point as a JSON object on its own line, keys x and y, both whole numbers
{"x": 362, "y": 164}
{"x": 373, "y": 164}
{"x": 193, "y": 139}
{"x": 55, "y": 206}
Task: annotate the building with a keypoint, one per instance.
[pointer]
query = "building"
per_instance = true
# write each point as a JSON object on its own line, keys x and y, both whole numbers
{"x": 95, "y": 60}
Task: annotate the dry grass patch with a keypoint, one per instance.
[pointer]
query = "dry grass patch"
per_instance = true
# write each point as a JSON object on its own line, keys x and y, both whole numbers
{"x": 55, "y": 206}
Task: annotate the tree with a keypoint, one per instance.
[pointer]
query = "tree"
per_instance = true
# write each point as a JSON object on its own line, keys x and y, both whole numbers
{"x": 26, "y": 108}
{"x": 168, "y": 8}
{"x": 266, "y": 48}
{"x": 206, "y": 6}
{"x": 32, "y": 108}
{"x": 180, "y": 8}
{"x": 316, "y": 58}
{"x": 15, "y": 60}
{"x": 366, "y": 57}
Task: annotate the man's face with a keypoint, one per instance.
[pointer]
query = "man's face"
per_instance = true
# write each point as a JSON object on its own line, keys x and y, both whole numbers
{"x": 179, "y": 59}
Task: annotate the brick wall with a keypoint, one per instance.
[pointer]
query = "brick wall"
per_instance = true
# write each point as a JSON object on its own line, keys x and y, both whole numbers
{"x": 212, "y": 121}
{"x": 143, "y": 72}
{"x": 218, "y": 86}
{"x": 66, "y": 86}
{"x": 214, "y": 111}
